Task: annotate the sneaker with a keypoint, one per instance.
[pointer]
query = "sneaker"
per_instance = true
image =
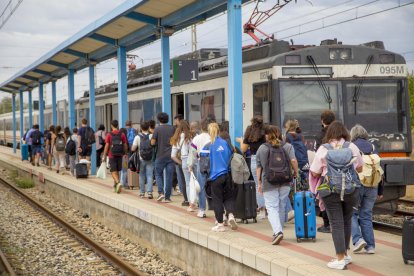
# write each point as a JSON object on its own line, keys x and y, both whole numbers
{"x": 225, "y": 220}
{"x": 201, "y": 214}
{"x": 348, "y": 259}
{"x": 114, "y": 187}
{"x": 324, "y": 229}
{"x": 219, "y": 228}
{"x": 38, "y": 165}
{"x": 370, "y": 250}
{"x": 167, "y": 200}
{"x": 335, "y": 264}
{"x": 150, "y": 196}
{"x": 191, "y": 209}
{"x": 232, "y": 222}
{"x": 118, "y": 188}
{"x": 185, "y": 203}
{"x": 291, "y": 215}
{"x": 261, "y": 215}
{"x": 277, "y": 238}
{"x": 160, "y": 197}
{"x": 359, "y": 246}
{"x": 141, "y": 195}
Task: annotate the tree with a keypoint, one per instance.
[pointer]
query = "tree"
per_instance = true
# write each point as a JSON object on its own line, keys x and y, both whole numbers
{"x": 6, "y": 105}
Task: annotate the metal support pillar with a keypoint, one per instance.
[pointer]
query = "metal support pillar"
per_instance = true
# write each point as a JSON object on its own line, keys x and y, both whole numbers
{"x": 122, "y": 87}
{"x": 234, "y": 30}
{"x": 54, "y": 112}
{"x": 30, "y": 111}
{"x": 165, "y": 73}
{"x": 41, "y": 109}
{"x": 21, "y": 117}
{"x": 14, "y": 121}
{"x": 92, "y": 122}
{"x": 71, "y": 96}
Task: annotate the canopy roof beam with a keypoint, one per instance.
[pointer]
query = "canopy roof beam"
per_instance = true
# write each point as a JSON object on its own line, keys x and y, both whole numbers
{"x": 143, "y": 18}
{"x": 104, "y": 39}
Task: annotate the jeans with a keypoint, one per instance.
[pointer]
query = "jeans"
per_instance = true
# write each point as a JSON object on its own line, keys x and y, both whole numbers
{"x": 146, "y": 173}
{"x": 181, "y": 181}
{"x": 362, "y": 218}
{"x": 202, "y": 179}
{"x": 259, "y": 198}
{"x": 72, "y": 159}
{"x": 184, "y": 166}
{"x": 340, "y": 216}
{"x": 99, "y": 157}
{"x": 288, "y": 207}
{"x": 275, "y": 202}
{"x": 222, "y": 196}
{"x": 160, "y": 165}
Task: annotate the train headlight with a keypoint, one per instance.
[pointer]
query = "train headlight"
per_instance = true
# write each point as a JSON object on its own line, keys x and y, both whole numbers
{"x": 397, "y": 145}
{"x": 387, "y": 58}
{"x": 340, "y": 53}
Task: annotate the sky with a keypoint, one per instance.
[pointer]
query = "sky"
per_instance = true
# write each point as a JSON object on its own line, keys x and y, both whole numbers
{"x": 38, "y": 26}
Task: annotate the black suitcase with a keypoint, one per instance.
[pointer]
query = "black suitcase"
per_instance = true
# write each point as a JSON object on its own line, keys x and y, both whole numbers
{"x": 408, "y": 239}
{"x": 81, "y": 170}
{"x": 245, "y": 205}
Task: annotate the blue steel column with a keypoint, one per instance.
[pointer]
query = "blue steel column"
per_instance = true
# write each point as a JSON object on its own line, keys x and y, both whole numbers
{"x": 165, "y": 73}
{"x": 30, "y": 111}
{"x": 41, "y": 108}
{"x": 21, "y": 117}
{"x": 92, "y": 122}
{"x": 234, "y": 28}
{"x": 54, "y": 112}
{"x": 71, "y": 94}
{"x": 14, "y": 121}
{"x": 122, "y": 87}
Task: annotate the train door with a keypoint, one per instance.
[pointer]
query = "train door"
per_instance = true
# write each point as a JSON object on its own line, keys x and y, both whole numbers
{"x": 108, "y": 116}
{"x": 262, "y": 100}
{"x": 177, "y": 101}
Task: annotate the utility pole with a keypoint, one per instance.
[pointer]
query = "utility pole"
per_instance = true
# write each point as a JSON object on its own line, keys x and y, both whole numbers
{"x": 194, "y": 38}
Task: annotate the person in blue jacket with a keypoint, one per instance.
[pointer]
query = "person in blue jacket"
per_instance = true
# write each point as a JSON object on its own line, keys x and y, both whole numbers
{"x": 220, "y": 178}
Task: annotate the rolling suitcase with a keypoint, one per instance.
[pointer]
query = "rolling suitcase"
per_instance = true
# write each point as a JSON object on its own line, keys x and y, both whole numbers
{"x": 133, "y": 179}
{"x": 305, "y": 215}
{"x": 81, "y": 170}
{"x": 24, "y": 151}
{"x": 245, "y": 205}
{"x": 408, "y": 239}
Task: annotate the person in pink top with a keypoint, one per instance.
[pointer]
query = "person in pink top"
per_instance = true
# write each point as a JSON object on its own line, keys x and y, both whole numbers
{"x": 339, "y": 211}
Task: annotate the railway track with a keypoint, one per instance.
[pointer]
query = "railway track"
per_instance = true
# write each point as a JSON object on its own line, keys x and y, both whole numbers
{"x": 110, "y": 257}
{"x": 5, "y": 267}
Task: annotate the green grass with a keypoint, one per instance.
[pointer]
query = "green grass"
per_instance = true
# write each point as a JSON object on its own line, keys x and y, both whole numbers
{"x": 14, "y": 174}
{"x": 24, "y": 183}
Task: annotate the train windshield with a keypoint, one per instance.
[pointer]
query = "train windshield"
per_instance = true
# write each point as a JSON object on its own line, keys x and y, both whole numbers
{"x": 378, "y": 107}
{"x": 304, "y": 100}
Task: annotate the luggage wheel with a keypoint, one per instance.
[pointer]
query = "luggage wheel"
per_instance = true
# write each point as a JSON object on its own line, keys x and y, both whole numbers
{"x": 254, "y": 220}
{"x": 313, "y": 240}
{"x": 298, "y": 240}
{"x": 405, "y": 261}
{"x": 245, "y": 221}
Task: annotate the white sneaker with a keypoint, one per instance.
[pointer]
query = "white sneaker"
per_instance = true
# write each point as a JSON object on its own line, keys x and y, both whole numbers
{"x": 219, "y": 228}
{"x": 291, "y": 215}
{"x": 335, "y": 264}
{"x": 261, "y": 215}
{"x": 201, "y": 214}
{"x": 370, "y": 251}
{"x": 359, "y": 246}
{"x": 348, "y": 259}
{"x": 232, "y": 222}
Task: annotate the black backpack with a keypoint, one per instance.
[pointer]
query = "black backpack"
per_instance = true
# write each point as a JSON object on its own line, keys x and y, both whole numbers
{"x": 36, "y": 137}
{"x": 89, "y": 136}
{"x": 70, "y": 148}
{"x": 146, "y": 150}
{"x": 204, "y": 159}
{"x": 278, "y": 166}
{"x": 117, "y": 147}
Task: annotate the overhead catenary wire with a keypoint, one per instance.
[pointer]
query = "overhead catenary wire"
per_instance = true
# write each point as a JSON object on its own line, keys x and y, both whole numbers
{"x": 4, "y": 17}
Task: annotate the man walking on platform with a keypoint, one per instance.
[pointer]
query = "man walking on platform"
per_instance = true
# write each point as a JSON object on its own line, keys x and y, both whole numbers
{"x": 115, "y": 147}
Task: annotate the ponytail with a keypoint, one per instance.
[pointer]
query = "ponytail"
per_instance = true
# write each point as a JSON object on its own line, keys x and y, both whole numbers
{"x": 213, "y": 131}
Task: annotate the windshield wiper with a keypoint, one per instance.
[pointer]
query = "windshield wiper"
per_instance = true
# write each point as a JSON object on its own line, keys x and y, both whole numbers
{"x": 325, "y": 90}
{"x": 358, "y": 87}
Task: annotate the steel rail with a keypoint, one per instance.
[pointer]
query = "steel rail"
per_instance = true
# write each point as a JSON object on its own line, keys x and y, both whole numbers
{"x": 110, "y": 257}
{"x": 4, "y": 263}
{"x": 387, "y": 227}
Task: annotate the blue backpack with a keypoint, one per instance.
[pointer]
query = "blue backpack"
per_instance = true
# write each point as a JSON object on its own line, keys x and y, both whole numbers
{"x": 341, "y": 177}
{"x": 131, "y": 133}
{"x": 301, "y": 152}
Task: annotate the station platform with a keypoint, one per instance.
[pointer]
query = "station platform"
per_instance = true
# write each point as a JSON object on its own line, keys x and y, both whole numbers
{"x": 189, "y": 243}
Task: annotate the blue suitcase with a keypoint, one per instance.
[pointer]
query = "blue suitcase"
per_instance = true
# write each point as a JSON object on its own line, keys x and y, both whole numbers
{"x": 305, "y": 217}
{"x": 24, "y": 149}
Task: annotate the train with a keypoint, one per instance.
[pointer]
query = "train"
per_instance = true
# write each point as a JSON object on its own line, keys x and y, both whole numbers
{"x": 364, "y": 84}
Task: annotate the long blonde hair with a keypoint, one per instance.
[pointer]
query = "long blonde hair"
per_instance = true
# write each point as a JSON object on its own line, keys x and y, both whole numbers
{"x": 273, "y": 136}
{"x": 213, "y": 131}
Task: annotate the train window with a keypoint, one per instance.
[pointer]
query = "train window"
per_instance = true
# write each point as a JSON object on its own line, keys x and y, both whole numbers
{"x": 114, "y": 111}
{"x": 262, "y": 100}
{"x": 99, "y": 116}
{"x": 305, "y": 100}
{"x": 136, "y": 112}
{"x": 199, "y": 105}
{"x": 84, "y": 113}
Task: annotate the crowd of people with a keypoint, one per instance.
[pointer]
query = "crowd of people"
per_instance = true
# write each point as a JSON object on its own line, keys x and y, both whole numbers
{"x": 176, "y": 153}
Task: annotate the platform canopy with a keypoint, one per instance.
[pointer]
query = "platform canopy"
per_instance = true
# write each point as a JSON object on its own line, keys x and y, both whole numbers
{"x": 133, "y": 24}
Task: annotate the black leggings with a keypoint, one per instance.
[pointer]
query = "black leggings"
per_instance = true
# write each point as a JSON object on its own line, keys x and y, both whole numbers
{"x": 222, "y": 196}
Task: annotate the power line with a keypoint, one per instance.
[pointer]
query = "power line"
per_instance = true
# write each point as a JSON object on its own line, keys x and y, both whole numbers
{"x": 5, "y": 17}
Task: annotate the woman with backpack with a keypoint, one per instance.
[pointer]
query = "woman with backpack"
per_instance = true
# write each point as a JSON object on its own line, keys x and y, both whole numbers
{"x": 71, "y": 146}
{"x": 181, "y": 142}
{"x": 362, "y": 229}
{"x": 100, "y": 144}
{"x": 275, "y": 161}
{"x": 58, "y": 146}
{"x": 220, "y": 179}
{"x": 50, "y": 136}
{"x": 254, "y": 137}
{"x": 337, "y": 161}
